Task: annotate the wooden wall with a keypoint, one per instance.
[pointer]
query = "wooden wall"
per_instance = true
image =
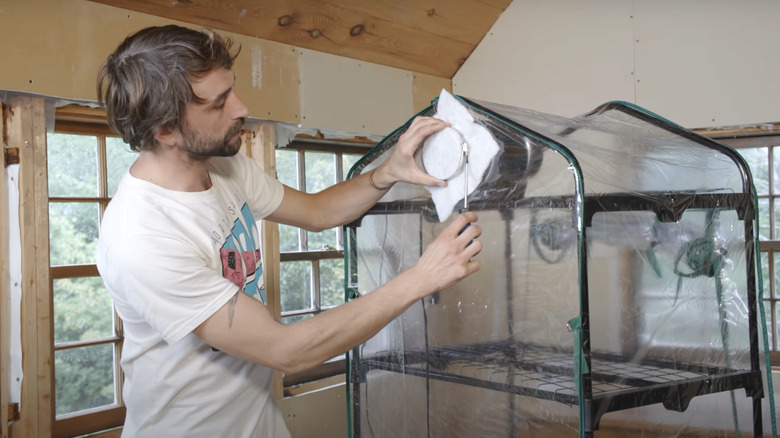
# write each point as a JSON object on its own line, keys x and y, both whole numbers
{"x": 55, "y": 47}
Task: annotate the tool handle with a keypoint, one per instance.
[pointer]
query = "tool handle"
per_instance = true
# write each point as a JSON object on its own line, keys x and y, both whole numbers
{"x": 461, "y": 211}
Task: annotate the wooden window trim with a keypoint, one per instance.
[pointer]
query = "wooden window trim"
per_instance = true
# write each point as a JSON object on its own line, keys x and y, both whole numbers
{"x": 85, "y": 422}
{"x": 333, "y": 369}
{"x": 80, "y": 120}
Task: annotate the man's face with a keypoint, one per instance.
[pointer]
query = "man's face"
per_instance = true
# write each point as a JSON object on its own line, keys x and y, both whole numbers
{"x": 212, "y": 128}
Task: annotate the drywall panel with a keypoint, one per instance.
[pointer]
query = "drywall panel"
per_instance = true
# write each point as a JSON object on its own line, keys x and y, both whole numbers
{"x": 708, "y": 63}
{"x": 347, "y": 95}
{"x": 55, "y": 48}
{"x": 321, "y": 414}
{"x": 564, "y": 57}
{"x": 427, "y": 87}
{"x": 267, "y": 79}
{"x": 700, "y": 64}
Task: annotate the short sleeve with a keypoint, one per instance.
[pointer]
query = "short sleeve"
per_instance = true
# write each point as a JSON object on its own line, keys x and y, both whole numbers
{"x": 264, "y": 193}
{"x": 166, "y": 282}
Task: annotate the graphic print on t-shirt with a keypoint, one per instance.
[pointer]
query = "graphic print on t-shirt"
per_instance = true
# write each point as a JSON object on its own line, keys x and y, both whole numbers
{"x": 241, "y": 263}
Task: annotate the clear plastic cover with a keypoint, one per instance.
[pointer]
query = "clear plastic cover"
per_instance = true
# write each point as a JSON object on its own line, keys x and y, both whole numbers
{"x": 618, "y": 289}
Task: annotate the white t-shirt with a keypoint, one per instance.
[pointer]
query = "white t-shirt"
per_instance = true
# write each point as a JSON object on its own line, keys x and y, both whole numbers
{"x": 170, "y": 260}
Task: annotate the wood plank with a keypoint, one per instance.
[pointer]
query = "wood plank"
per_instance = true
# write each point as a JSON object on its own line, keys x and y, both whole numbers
{"x": 466, "y": 21}
{"x": 434, "y": 38}
{"x": 81, "y": 113}
{"x": 262, "y": 151}
{"x": 42, "y": 282}
{"x": 19, "y": 128}
{"x": 11, "y": 156}
{"x": 27, "y": 132}
{"x": 5, "y": 296}
{"x": 81, "y": 424}
{"x": 113, "y": 433}
{"x": 426, "y": 87}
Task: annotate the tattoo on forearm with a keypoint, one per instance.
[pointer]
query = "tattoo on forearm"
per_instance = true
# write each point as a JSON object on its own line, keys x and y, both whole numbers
{"x": 232, "y": 309}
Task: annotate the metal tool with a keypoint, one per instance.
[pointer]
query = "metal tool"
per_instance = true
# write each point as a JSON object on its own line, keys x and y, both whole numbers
{"x": 466, "y": 150}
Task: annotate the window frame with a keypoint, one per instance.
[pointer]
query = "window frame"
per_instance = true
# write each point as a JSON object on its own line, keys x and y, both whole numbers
{"x": 78, "y": 120}
{"x": 337, "y": 366}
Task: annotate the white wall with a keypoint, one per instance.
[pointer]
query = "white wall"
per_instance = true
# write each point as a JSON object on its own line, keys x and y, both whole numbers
{"x": 698, "y": 63}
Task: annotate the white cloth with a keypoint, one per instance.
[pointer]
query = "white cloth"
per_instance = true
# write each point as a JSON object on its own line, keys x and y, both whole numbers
{"x": 170, "y": 260}
{"x": 440, "y": 153}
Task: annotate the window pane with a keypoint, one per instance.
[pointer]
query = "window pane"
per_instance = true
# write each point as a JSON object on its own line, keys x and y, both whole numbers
{"x": 82, "y": 310}
{"x": 287, "y": 167}
{"x": 773, "y": 334}
{"x": 84, "y": 378}
{"x": 320, "y": 171}
{"x": 776, "y": 223}
{"x": 295, "y": 318}
{"x": 758, "y": 160}
{"x": 323, "y": 240}
{"x": 320, "y": 174}
{"x": 295, "y": 286}
{"x": 119, "y": 158}
{"x": 72, "y": 165}
{"x": 347, "y": 161}
{"x": 767, "y": 292}
{"x": 73, "y": 232}
{"x": 763, "y": 219}
{"x": 288, "y": 238}
{"x": 765, "y": 273}
{"x": 775, "y": 170}
{"x": 331, "y": 282}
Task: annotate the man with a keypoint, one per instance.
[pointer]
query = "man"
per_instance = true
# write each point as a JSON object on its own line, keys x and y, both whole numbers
{"x": 179, "y": 254}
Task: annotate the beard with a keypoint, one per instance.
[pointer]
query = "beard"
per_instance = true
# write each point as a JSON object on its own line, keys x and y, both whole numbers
{"x": 199, "y": 146}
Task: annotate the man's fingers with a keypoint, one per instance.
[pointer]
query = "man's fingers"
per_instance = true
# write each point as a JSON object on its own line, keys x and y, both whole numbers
{"x": 422, "y": 127}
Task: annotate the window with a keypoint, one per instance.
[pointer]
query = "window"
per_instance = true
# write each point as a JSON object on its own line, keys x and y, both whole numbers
{"x": 312, "y": 264}
{"x": 85, "y": 163}
{"x": 762, "y": 154}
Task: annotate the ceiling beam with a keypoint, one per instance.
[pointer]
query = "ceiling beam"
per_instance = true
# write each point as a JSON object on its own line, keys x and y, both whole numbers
{"x": 433, "y": 37}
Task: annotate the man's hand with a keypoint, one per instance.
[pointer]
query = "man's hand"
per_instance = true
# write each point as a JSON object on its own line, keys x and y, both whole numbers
{"x": 401, "y": 166}
{"x": 448, "y": 258}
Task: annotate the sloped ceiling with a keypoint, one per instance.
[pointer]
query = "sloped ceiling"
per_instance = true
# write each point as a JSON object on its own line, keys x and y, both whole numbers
{"x": 427, "y": 36}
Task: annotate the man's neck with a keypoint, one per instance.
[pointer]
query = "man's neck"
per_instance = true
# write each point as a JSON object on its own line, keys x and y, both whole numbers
{"x": 170, "y": 169}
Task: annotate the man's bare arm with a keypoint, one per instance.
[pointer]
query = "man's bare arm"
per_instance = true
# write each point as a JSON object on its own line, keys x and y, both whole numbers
{"x": 245, "y": 328}
{"x": 346, "y": 201}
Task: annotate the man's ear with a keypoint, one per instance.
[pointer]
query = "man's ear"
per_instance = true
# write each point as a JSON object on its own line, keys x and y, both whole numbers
{"x": 168, "y": 137}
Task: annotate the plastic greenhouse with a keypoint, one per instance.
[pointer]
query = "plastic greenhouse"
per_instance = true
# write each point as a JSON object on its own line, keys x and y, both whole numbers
{"x": 618, "y": 288}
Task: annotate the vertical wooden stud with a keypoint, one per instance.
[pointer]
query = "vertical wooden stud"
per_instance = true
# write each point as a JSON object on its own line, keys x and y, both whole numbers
{"x": 5, "y": 299}
{"x": 26, "y": 129}
{"x": 262, "y": 150}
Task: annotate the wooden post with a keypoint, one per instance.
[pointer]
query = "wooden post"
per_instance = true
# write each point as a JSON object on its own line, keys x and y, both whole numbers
{"x": 26, "y": 127}
{"x": 5, "y": 298}
{"x": 262, "y": 143}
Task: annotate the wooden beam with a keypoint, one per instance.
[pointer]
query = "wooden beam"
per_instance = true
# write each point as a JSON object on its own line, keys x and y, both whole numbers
{"x": 433, "y": 37}
{"x": 261, "y": 149}
{"x": 11, "y": 156}
{"x": 5, "y": 295}
{"x": 427, "y": 87}
{"x": 27, "y": 132}
{"x": 41, "y": 287}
